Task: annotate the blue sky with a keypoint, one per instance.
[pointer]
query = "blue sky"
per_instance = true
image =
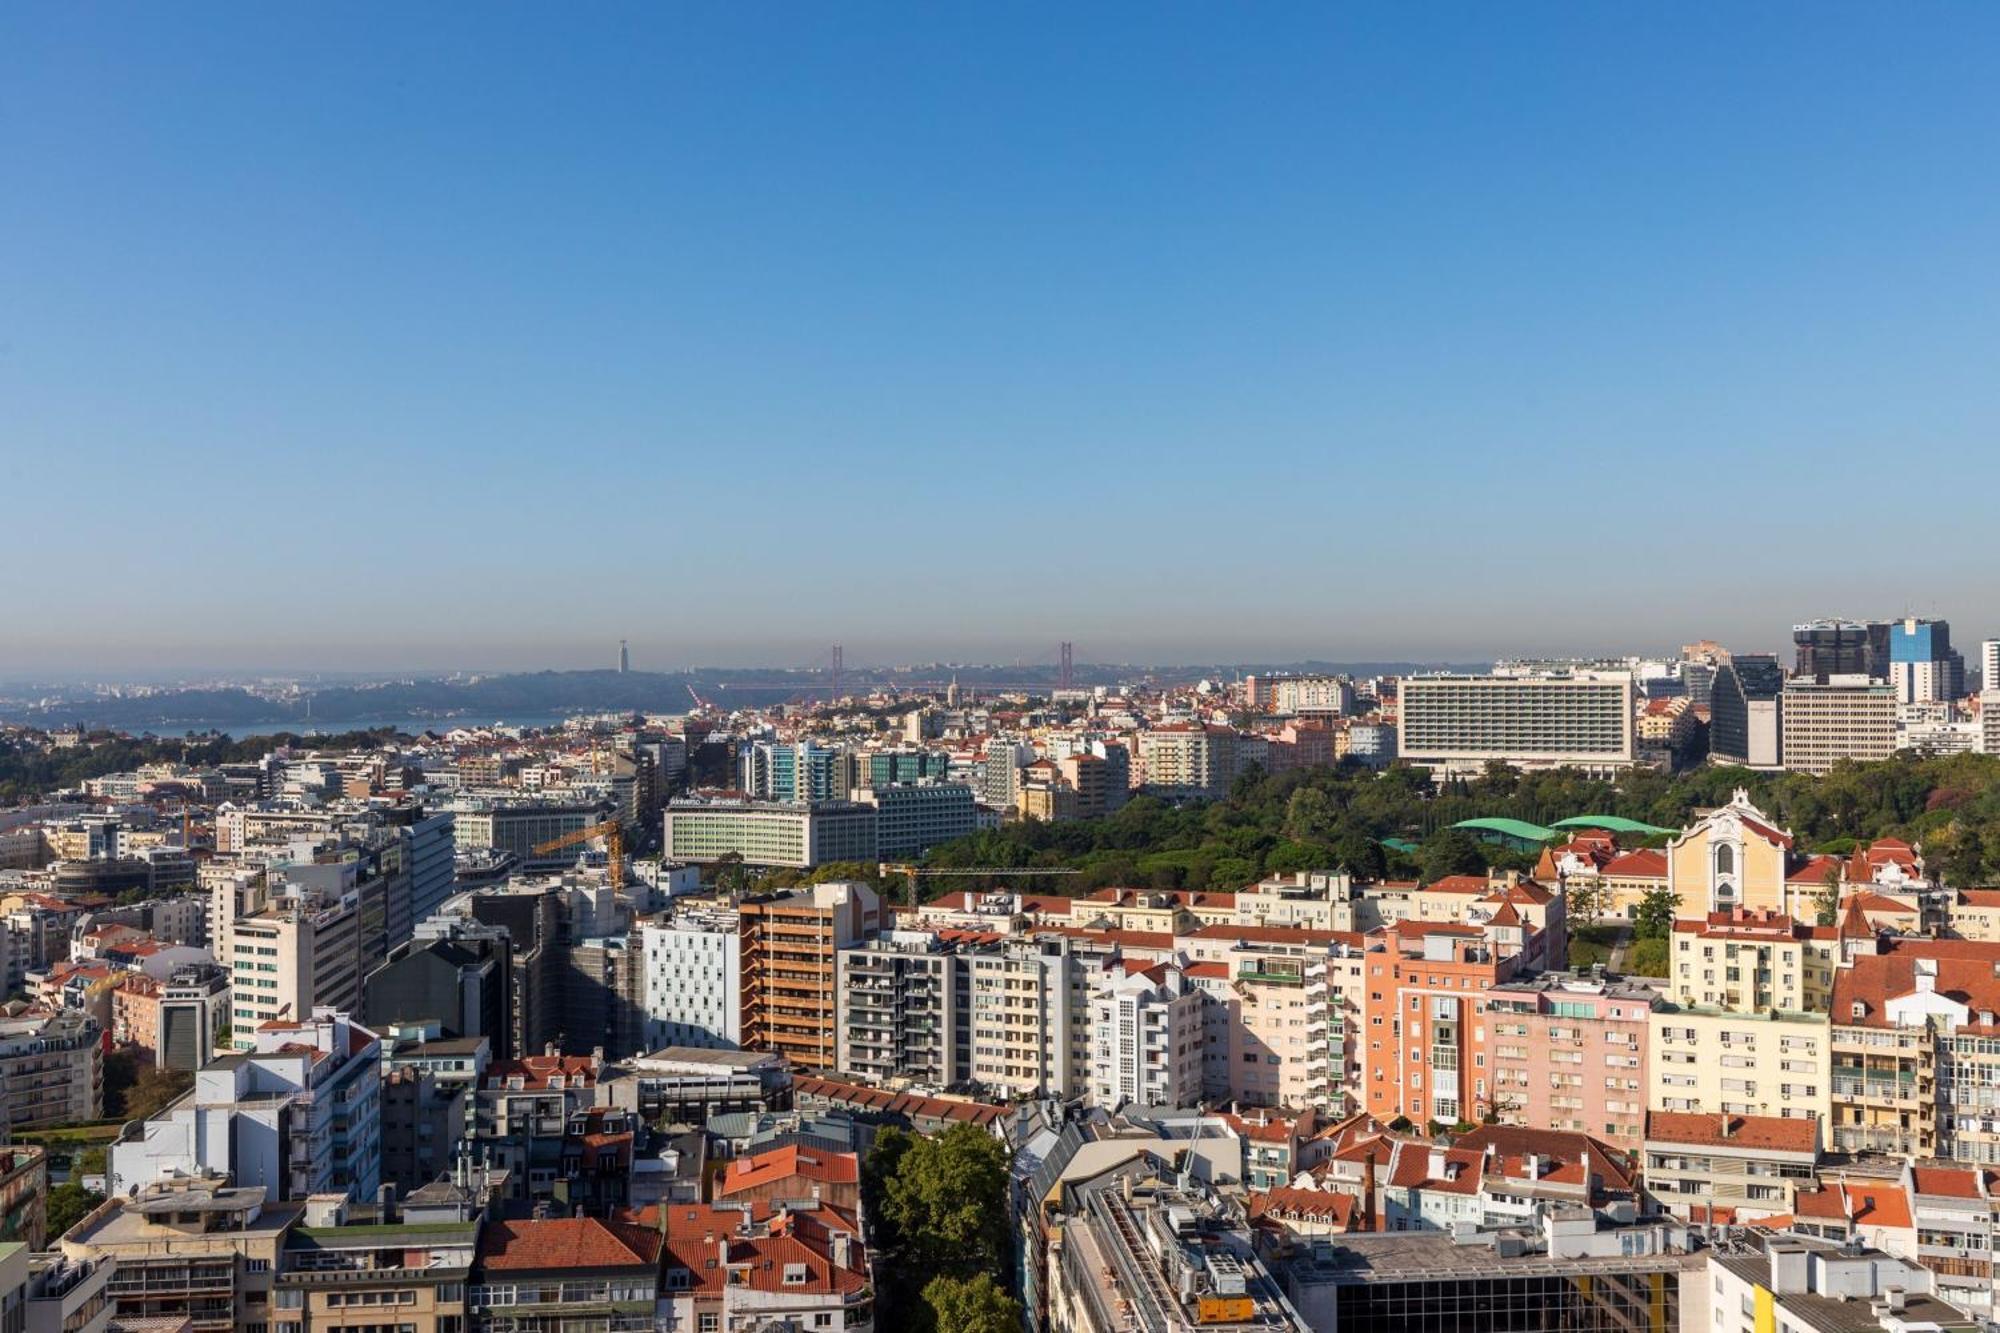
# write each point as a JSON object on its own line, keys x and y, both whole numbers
{"x": 351, "y": 336}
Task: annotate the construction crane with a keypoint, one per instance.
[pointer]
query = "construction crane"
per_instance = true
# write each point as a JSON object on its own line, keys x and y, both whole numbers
{"x": 614, "y": 844}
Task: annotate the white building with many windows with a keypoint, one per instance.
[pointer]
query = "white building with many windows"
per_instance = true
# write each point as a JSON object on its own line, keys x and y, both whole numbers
{"x": 298, "y": 1113}
{"x": 1545, "y": 719}
{"x": 1146, "y": 1039}
{"x": 694, "y": 981}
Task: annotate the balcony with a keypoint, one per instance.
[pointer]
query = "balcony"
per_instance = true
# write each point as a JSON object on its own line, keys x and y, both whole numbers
{"x": 346, "y": 1277}
{"x": 1879, "y": 1087}
{"x": 143, "y": 1283}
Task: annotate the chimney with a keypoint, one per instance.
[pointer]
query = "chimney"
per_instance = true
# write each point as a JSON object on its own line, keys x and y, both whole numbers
{"x": 1926, "y": 975}
{"x": 1370, "y": 1220}
{"x": 1728, "y": 1125}
{"x": 842, "y": 1250}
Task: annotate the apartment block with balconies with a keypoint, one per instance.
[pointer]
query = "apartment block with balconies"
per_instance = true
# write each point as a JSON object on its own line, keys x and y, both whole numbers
{"x": 193, "y": 1248}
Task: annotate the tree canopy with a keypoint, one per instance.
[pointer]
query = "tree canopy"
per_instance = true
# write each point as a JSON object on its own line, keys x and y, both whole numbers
{"x": 976, "y": 1304}
{"x": 938, "y": 1211}
{"x": 1322, "y": 818}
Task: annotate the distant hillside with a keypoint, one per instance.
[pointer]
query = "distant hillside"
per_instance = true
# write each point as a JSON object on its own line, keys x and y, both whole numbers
{"x": 543, "y": 693}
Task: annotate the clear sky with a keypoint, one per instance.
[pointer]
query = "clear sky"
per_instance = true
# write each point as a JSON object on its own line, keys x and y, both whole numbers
{"x": 353, "y": 336}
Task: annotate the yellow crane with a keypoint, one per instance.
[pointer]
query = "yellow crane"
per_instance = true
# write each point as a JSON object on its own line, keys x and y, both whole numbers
{"x": 614, "y": 844}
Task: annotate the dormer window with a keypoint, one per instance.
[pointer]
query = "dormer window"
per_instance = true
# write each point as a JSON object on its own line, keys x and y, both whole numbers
{"x": 1860, "y": 1009}
{"x": 795, "y": 1275}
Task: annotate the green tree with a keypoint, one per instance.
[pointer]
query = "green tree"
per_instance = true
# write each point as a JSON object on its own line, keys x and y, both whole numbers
{"x": 1451, "y": 852}
{"x": 1647, "y": 958}
{"x": 1584, "y": 900}
{"x": 947, "y": 1200}
{"x": 732, "y": 877}
{"x": 1653, "y": 919}
{"x": 1826, "y": 899}
{"x": 976, "y": 1304}
{"x": 67, "y": 1205}
{"x": 877, "y": 1169}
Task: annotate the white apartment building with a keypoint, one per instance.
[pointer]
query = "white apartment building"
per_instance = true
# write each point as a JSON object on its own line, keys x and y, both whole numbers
{"x": 1847, "y": 717}
{"x": 298, "y": 1113}
{"x": 287, "y": 956}
{"x": 1012, "y": 1016}
{"x": 1031, "y": 1019}
{"x": 1581, "y": 719}
{"x": 1312, "y": 694}
{"x": 1714, "y": 1062}
{"x": 912, "y": 817}
{"x": 769, "y": 833}
{"x": 1278, "y": 1021}
{"x": 1193, "y": 757}
{"x": 1146, "y": 1034}
{"x": 51, "y": 1069}
{"x": 1313, "y": 899}
{"x": 694, "y": 981}
{"x": 520, "y": 826}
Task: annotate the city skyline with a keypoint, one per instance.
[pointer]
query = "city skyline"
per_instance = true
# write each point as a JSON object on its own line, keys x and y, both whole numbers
{"x": 660, "y": 656}
{"x": 1357, "y": 334}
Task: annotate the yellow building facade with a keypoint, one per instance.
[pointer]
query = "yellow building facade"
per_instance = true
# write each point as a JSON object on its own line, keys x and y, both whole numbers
{"x": 1732, "y": 857}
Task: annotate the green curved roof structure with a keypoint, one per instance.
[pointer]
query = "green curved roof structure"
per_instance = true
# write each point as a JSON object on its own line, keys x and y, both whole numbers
{"x": 1510, "y": 828}
{"x": 1612, "y": 824}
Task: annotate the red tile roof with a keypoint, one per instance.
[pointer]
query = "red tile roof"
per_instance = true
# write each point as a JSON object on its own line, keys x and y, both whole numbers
{"x": 1571, "y": 1156}
{"x": 1129, "y": 939}
{"x": 788, "y": 1163}
{"x": 905, "y": 1104}
{"x": 1947, "y": 1182}
{"x": 1753, "y": 1133}
{"x": 566, "y": 1244}
{"x": 535, "y": 1071}
{"x": 1288, "y": 1203}
{"x": 1869, "y": 1205}
{"x": 1526, "y": 892}
{"x": 697, "y": 1235}
{"x": 1646, "y": 863}
{"x": 1463, "y": 1170}
{"x": 1813, "y": 870}
{"x": 1872, "y": 981}
{"x": 1766, "y": 832}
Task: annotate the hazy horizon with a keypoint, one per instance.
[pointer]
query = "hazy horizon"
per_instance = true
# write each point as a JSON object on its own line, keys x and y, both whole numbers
{"x": 373, "y": 337}
{"x": 660, "y": 658}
